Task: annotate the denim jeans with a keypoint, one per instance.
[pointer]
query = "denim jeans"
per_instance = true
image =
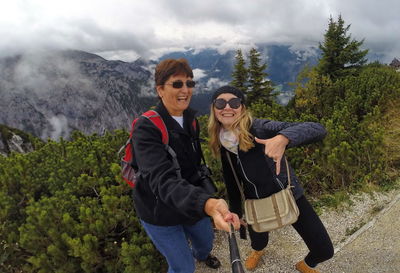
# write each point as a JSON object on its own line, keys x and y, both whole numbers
{"x": 172, "y": 242}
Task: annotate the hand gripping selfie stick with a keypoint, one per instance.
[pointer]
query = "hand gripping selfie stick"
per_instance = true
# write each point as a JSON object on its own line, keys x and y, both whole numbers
{"x": 237, "y": 266}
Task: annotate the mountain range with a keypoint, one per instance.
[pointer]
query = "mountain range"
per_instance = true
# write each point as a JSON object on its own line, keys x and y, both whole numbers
{"x": 49, "y": 94}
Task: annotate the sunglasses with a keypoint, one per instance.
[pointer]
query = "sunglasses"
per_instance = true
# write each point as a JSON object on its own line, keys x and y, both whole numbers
{"x": 179, "y": 84}
{"x": 234, "y": 103}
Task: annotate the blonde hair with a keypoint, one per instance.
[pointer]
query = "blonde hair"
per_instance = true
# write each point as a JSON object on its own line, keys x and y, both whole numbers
{"x": 243, "y": 123}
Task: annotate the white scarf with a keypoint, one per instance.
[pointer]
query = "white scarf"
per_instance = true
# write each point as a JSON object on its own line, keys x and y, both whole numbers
{"x": 229, "y": 140}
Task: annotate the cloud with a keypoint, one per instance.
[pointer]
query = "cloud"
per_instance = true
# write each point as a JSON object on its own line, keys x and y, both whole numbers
{"x": 214, "y": 83}
{"x": 58, "y": 128}
{"x": 199, "y": 73}
{"x": 125, "y": 29}
{"x": 34, "y": 72}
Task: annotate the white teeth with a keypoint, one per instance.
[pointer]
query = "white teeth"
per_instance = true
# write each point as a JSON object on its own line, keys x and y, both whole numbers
{"x": 227, "y": 115}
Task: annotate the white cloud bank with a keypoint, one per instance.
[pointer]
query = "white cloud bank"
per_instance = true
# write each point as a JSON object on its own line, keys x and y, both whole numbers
{"x": 125, "y": 29}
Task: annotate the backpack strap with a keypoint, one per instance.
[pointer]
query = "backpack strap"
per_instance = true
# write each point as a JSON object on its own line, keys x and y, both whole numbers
{"x": 155, "y": 117}
{"x": 129, "y": 173}
{"x": 129, "y": 141}
{"x": 195, "y": 127}
{"x": 196, "y": 133}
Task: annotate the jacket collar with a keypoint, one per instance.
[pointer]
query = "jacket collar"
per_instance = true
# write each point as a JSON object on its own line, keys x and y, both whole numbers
{"x": 171, "y": 123}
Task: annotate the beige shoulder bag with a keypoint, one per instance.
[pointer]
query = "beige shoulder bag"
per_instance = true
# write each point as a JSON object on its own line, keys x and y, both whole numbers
{"x": 273, "y": 212}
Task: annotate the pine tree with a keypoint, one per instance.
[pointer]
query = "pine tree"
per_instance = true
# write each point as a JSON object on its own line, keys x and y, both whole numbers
{"x": 260, "y": 88}
{"x": 340, "y": 55}
{"x": 240, "y": 73}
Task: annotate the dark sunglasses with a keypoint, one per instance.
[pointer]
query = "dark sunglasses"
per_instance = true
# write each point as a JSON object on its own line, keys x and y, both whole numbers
{"x": 179, "y": 84}
{"x": 234, "y": 103}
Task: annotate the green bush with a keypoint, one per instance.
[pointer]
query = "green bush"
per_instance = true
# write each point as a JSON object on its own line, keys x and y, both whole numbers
{"x": 353, "y": 154}
{"x": 64, "y": 208}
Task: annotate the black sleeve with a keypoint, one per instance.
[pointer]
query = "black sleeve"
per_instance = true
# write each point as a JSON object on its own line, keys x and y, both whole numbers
{"x": 234, "y": 196}
{"x": 155, "y": 165}
{"x": 298, "y": 133}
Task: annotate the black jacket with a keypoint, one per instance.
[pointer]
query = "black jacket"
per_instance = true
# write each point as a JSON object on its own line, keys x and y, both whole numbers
{"x": 257, "y": 172}
{"x": 160, "y": 197}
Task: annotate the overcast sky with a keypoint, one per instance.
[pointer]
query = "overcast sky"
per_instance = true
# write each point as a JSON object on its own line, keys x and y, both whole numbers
{"x": 125, "y": 29}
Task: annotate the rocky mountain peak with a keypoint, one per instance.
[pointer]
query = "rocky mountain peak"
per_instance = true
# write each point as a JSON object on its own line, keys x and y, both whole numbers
{"x": 13, "y": 140}
{"x": 49, "y": 94}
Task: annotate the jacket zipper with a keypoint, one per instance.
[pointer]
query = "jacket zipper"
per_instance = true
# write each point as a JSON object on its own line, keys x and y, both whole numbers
{"x": 194, "y": 148}
{"x": 280, "y": 183}
{"x": 245, "y": 176}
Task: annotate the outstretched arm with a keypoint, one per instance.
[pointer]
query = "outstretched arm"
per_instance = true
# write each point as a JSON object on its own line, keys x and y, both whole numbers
{"x": 278, "y": 135}
{"x": 218, "y": 210}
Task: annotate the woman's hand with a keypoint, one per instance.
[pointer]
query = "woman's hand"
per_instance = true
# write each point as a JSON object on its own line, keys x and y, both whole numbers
{"x": 222, "y": 217}
{"x": 275, "y": 148}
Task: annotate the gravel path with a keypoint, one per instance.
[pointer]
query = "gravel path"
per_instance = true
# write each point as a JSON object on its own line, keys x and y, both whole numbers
{"x": 365, "y": 234}
{"x": 375, "y": 248}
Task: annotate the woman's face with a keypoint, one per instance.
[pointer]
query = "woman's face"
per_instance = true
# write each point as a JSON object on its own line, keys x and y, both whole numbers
{"x": 228, "y": 114}
{"x": 176, "y": 100}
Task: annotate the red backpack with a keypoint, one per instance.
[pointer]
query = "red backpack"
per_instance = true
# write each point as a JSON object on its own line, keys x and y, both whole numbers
{"x": 129, "y": 174}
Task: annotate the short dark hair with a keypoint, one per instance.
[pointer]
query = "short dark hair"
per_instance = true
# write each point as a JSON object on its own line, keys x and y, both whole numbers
{"x": 171, "y": 67}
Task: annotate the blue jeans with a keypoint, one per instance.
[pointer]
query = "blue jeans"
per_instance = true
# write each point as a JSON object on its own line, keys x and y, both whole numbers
{"x": 172, "y": 242}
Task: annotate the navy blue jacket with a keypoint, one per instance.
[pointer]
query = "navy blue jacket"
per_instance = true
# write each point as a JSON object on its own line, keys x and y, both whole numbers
{"x": 256, "y": 171}
{"x": 160, "y": 197}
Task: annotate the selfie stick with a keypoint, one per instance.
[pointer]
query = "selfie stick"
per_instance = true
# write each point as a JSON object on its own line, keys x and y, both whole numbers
{"x": 237, "y": 266}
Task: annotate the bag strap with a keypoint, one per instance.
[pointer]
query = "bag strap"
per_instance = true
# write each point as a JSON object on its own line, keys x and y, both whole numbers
{"x": 241, "y": 188}
{"x": 236, "y": 178}
{"x": 288, "y": 175}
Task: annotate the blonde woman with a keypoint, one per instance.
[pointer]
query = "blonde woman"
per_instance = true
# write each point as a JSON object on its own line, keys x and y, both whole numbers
{"x": 256, "y": 148}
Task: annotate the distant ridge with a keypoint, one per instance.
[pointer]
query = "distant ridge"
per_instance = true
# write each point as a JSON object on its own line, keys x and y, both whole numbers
{"x": 49, "y": 94}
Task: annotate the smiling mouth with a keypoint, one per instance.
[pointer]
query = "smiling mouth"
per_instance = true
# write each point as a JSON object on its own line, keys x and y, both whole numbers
{"x": 185, "y": 98}
{"x": 227, "y": 115}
